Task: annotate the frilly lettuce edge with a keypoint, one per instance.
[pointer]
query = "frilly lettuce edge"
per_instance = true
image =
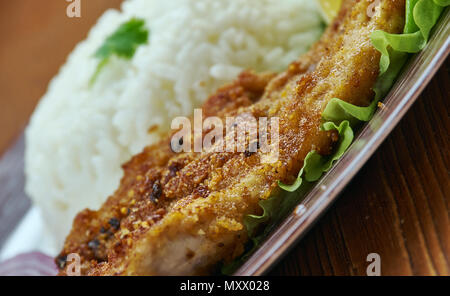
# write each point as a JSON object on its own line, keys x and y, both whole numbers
{"x": 421, "y": 17}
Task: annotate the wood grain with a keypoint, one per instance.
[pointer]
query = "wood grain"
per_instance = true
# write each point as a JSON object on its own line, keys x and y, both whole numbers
{"x": 398, "y": 205}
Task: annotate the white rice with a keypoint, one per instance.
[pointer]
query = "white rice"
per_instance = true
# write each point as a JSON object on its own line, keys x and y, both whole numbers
{"x": 79, "y": 136}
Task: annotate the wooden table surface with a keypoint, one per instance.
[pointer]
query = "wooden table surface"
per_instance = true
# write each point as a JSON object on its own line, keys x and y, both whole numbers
{"x": 397, "y": 206}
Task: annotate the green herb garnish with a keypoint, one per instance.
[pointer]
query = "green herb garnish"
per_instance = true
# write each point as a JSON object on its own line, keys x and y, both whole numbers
{"x": 122, "y": 43}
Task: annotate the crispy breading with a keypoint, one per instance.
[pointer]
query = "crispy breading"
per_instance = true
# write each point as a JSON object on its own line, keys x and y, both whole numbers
{"x": 182, "y": 213}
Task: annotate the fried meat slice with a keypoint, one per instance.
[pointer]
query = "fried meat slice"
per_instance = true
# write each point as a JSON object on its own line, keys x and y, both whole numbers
{"x": 182, "y": 213}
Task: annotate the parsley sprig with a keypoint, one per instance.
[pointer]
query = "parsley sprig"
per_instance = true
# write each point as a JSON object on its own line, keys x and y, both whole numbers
{"x": 122, "y": 43}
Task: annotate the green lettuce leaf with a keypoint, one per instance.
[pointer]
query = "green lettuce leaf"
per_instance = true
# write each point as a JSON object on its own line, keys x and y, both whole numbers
{"x": 122, "y": 43}
{"x": 338, "y": 110}
{"x": 421, "y": 16}
{"x": 315, "y": 164}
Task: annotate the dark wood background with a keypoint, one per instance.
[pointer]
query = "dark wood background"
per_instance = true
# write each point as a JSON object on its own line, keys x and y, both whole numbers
{"x": 397, "y": 206}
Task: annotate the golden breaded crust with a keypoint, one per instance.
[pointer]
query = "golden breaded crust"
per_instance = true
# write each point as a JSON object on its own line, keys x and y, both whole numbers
{"x": 182, "y": 214}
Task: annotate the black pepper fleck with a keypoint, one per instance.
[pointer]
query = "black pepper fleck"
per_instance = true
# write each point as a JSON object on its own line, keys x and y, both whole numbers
{"x": 61, "y": 261}
{"x": 94, "y": 244}
{"x": 248, "y": 153}
{"x": 173, "y": 169}
{"x": 156, "y": 192}
{"x": 115, "y": 223}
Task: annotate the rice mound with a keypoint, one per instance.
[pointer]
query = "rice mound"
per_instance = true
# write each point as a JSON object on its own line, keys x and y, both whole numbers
{"x": 79, "y": 135}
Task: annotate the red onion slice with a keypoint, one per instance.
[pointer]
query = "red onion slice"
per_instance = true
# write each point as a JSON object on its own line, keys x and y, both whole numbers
{"x": 29, "y": 264}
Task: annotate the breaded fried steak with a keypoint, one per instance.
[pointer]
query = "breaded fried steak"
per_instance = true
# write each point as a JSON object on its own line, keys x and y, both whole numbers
{"x": 182, "y": 213}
